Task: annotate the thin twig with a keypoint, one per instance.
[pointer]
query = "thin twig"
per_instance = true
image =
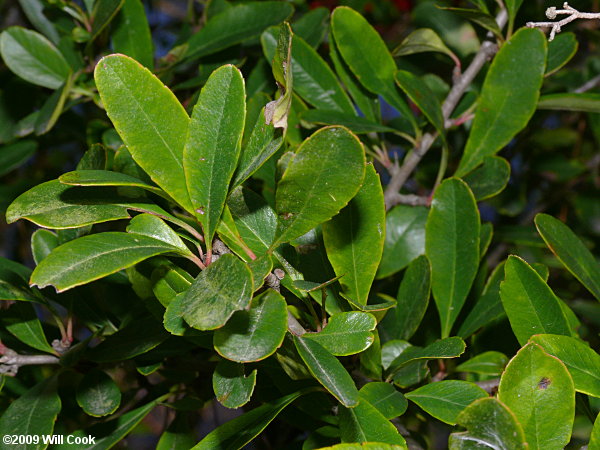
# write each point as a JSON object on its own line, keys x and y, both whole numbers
{"x": 11, "y": 361}
{"x": 294, "y": 326}
{"x": 556, "y": 27}
{"x": 401, "y": 174}
{"x": 594, "y": 82}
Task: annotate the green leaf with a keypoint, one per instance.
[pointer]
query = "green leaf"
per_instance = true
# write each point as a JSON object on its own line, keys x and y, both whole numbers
{"x": 412, "y": 301}
{"x": 32, "y": 413}
{"x": 424, "y": 40}
{"x": 93, "y": 257}
{"x": 328, "y": 371}
{"x": 452, "y": 247}
{"x": 420, "y": 94}
{"x": 277, "y": 111}
{"x": 445, "y": 400}
{"x": 102, "y": 14}
{"x": 42, "y": 243}
{"x": 365, "y": 423}
{"x": 486, "y": 363}
{"x": 15, "y": 155}
{"x": 232, "y": 388}
{"x": 586, "y": 102}
{"x": 236, "y": 433}
{"x": 52, "y": 108}
{"x": 55, "y": 205}
{"x": 451, "y": 347}
{"x": 366, "y": 54}
{"x": 560, "y": 51}
{"x": 109, "y": 433}
{"x": 156, "y": 228}
{"x": 131, "y": 33}
{"x": 314, "y": 81}
{"x": 149, "y": 119}
{"x": 33, "y": 57}
{"x": 179, "y": 434}
{"x": 138, "y": 337}
{"x": 582, "y": 362}
{"x": 538, "y": 389}
{"x": 168, "y": 280}
{"x": 221, "y": 289}
{"x": 489, "y": 424}
{"x": 512, "y": 6}
{"x": 326, "y": 173}
{"x": 213, "y": 145}
{"x": 97, "y": 394}
{"x": 404, "y": 238}
{"x": 34, "y": 10}
{"x": 107, "y": 178}
{"x": 365, "y": 446}
{"x": 595, "y": 437}
{"x": 489, "y": 179}
{"x": 354, "y": 123}
{"x": 236, "y": 24}
{"x": 263, "y": 143}
{"x": 481, "y": 18}
{"x": 22, "y": 322}
{"x": 488, "y": 307}
{"x": 385, "y": 398}
{"x": 530, "y": 304}
{"x": 346, "y": 333}
{"x": 508, "y": 97}
{"x": 312, "y": 26}
{"x": 354, "y": 238}
{"x": 254, "y": 334}
{"x": 260, "y": 268}
{"x": 570, "y": 251}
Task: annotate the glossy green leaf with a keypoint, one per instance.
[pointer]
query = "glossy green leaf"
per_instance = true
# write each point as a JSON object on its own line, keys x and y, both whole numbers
{"x": 445, "y": 400}
{"x": 314, "y": 81}
{"x": 420, "y": 94}
{"x": 538, "y": 389}
{"x": 570, "y": 251}
{"x": 595, "y": 437}
{"x": 231, "y": 237}
{"x": 260, "y": 268}
{"x": 325, "y": 174}
{"x": 33, "y": 57}
{"x": 487, "y": 363}
{"x": 156, "y": 228}
{"x": 531, "y": 306}
{"x": 109, "y": 433}
{"x": 264, "y": 141}
{"x": 34, "y": 10}
{"x": 404, "y": 238}
{"x": 97, "y": 394}
{"x": 236, "y": 433}
{"x": 412, "y": 301}
{"x": 179, "y": 434}
{"x": 54, "y": 205}
{"x": 42, "y": 243}
{"x": 131, "y": 33}
{"x": 346, "y": 333}
{"x": 168, "y": 280}
{"x": 447, "y": 348}
{"x": 512, "y": 6}
{"x": 33, "y": 413}
{"x": 312, "y": 26}
{"x": 22, "y": 322}
{"x": 16, "y": 154}
{"x": 328, "y": 370}
{"x": 452, "y": 247}
{"x": 277, "y": 111}
{"x": 489, "y": 424}
{"x": 220, "y": 290}
{"x": 385, "y": 398}
{"x": 354, "y": 238}
{"x": 365, "y": 423}
{"x": 424, "y": 40}
{"x": 232, "y": 388}
{"x": 354, "y": 123}
{"x": 235, "y": 25}
{"x": 52, "y": 108}
{"x": 489, "y": 179}
{"x": 254, "y": 334}
{"x": 488, "y": 307}
{"x": 366, "y": 54}
{"x": 508, "y": 97}
{"x": 95, "y": 256}
{"x": 586, "y": 102}
{"x": 582, "y": 362}
{"x": 213, "y": 145}
{"x": 560, "y": 51}
{"x": 138, "y": 337}
{"x": 149, "y": 119}
{"x": 481, "y": 18}
{"x": 102, "y": 14}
